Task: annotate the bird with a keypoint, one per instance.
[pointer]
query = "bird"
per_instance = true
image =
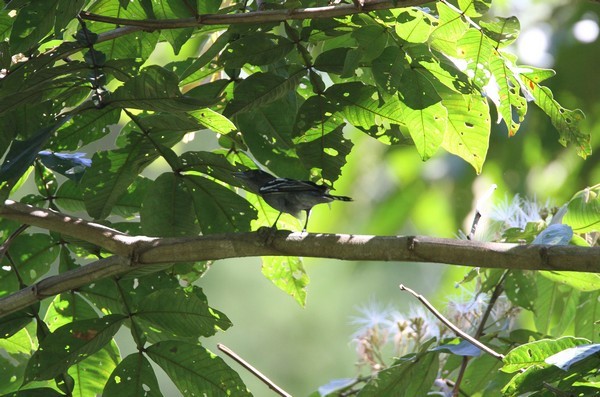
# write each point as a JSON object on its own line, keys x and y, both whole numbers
{"x": 287, "y": 195}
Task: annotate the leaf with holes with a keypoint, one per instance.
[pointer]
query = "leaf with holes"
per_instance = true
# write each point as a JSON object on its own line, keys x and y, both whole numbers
{"x": 70, "y": 344}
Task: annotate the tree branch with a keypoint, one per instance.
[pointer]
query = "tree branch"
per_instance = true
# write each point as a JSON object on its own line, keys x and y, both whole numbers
{"x": 110, "y": 239}
{"x": 134, "y": 251}
{"x": 256, "y": 17}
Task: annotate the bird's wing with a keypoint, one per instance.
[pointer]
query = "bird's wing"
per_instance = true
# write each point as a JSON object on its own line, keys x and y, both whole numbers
{"x": 286, "y": 185}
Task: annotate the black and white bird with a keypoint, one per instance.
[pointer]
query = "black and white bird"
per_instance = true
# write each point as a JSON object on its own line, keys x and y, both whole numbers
{"x": 287, "y": 195}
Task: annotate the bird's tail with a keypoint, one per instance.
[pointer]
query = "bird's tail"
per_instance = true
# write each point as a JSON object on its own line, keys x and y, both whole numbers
{"x": 341, "y": 198}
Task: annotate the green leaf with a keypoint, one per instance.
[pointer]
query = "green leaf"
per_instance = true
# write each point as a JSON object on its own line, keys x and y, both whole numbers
{"x": 474, "y": 8}
{"x": 218, "y": 209}
{"x": 365, "y": 110}
{"x": 406, "y": 378}
{"x": 468, "y": 130}
{"x": 332, "y": 61}
{"x": 33, "y": 255}
{"x": 31, "y": 25}
{"x": 503, "y": 31}
{"x": 450, "y": 29}
{"x": 566, "y": 121}
{"x": 534, "y": 353}
{"x": 138, "y": 45}
{"x": 195, "y": 370}
{"x": 174, "y": 9}
{"x": 414, "y": 25}
{"x": 388, "y": 69}
{"x": 167, "y": 210}
{"x": 588, "y": 310}
{"x": 66, "y": 308}
{"x": 84, "y": 128}
{"x": 174, "y": 314}
{"x": 427, "y": 127}
{"x": 39, "y": 392}
{"x": 214, "y": 121}
{"x": 520, "y": 289}
{"x": 70, "y": 344}
{"x": 45, "y": 181}
{"x": 505, "y": 92}
{"x": 255, "y": 49}
{"x": 583, "y": 210}
{"x": 93, "y": 373}
{"x": 477, "y": 50}
{"x": 260, "y": 89}
{"x": 213, "y": 164}
{"x": 113, "y": 171}
{"x": 288, "y": 274}
{"x": 70, "y": 197}
{"x": 16, "y": 352}
{"x": 529, "y": 360}
{"x": 372, "y": 40}
{"x": 12, "y": 323}
{"x": 587, "y": 282}
{"x": 133, "y": 377}
{"x": 328, "y": 154}
{"x": 268, "y": 133}
{"x": 156, "y": 89}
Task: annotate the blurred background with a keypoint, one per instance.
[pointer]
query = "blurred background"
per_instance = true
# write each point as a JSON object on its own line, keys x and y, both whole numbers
{"x": 396, "y": 193}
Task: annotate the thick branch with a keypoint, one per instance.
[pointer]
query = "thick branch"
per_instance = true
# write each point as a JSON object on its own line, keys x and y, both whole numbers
{"x": 256, "y": 17}
{"x": 134, "y": 251}
{"x": 110, "y": 239}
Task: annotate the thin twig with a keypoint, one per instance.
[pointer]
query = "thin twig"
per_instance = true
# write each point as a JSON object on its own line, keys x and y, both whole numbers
{"x": 253, "y": 371}
{"x": 480, "y": 329}
{"x": 9, "y": 240}
{"x": 453, "y": 327}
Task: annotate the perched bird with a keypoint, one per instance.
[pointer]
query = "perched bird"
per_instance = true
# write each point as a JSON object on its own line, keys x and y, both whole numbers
{"x": 287, "y": 195}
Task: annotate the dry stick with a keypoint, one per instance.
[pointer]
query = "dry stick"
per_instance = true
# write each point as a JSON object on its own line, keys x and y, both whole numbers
{"x": 253, "y": 370}
{"x": 479, "y": 332}
{"x": 453, "y": 327}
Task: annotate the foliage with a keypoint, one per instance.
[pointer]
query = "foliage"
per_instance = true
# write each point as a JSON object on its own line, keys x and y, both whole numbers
{"x": 282, "y": 93}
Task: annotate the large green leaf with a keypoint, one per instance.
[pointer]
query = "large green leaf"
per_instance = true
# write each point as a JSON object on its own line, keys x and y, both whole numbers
{"x": 468, "y": 130}
{"x": 288, "y": 274}
{"x": 33, "y": 255}
{"x": 176, "y": 314}
{"x": 583, "y": 211}
{"x": 520, "y": 288}
{"x": 156, "y": 89}
{"x": 529, "y": 360}
{"x": 66, "y": 308}
{"x": 84, "y": 128}
{"x": 328, "y": 154}
{"x": 139, "y": 45}
{"x": 93, "y": 373}
{"x": 167, "y": 209}
{"x": 32, "y": 23}
{"x": 260, "y": 89}
{"x": 256, "y": 49}
{"x": 567, "y": 122}
{"x": 113, "y": 171}
{"x": 218, "y": 209}
{"x": 415, "y": 25}
{"x": 406, "y": 378}
{"x": 195, "y": 370}
{"x": 70, "y": 344}
{"x": 133, "y": 377}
